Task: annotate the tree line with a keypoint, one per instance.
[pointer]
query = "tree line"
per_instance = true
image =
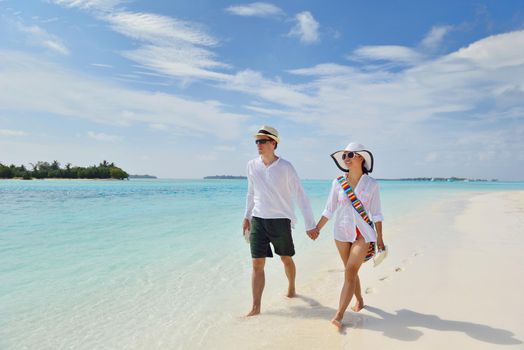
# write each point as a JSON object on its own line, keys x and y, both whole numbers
{"x": 46, "y": 170}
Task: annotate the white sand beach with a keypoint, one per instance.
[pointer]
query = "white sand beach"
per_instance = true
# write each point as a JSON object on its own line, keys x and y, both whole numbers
{"x": 453, "y": 279}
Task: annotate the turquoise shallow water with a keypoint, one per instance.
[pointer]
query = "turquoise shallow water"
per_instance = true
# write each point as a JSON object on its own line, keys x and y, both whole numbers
{"x": 87, "y": 264}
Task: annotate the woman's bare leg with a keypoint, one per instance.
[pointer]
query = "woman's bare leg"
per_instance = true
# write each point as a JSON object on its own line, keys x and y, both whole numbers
{"x": 357, "y": 254}
{"x": 359, "y": 303}
{"x": 343, "y": 250}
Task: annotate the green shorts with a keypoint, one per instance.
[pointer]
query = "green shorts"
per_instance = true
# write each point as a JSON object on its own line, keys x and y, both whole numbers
{"x": 274, "y": 231}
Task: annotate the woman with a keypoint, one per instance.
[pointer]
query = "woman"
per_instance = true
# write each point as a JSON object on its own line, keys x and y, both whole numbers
{"x": 353, "y": 234}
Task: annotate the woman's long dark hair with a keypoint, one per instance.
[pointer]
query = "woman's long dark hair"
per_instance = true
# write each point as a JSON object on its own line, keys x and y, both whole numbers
{"x": 364, "y": 170}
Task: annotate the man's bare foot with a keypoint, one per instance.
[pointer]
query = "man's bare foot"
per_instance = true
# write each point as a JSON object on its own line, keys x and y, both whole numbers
{"x": 291, "y": 293}
{"x": 359, "y": 305}
{"x": 254, "y": 311}
{"x": 337, "y": 323}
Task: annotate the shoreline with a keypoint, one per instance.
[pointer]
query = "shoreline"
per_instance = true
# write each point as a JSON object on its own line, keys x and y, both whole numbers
{"x": 430, "y": 292}
{"x": 58, "y": 179}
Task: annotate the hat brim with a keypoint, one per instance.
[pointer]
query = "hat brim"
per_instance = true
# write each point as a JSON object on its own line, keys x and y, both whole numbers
{"x": 268, "y": 135}
{"x": 368, "y": 160}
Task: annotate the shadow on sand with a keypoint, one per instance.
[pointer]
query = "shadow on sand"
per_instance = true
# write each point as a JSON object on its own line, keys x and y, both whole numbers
{"x": 400, "y": 325}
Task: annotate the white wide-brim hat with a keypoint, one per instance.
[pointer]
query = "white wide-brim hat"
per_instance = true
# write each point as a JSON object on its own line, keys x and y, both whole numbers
{"x": 357, "y": 148}
{"x": 268, "y": 131}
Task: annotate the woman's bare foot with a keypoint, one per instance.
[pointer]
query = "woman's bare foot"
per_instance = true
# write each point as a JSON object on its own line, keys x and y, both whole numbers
{"x": 359, "y": 305}
{"x": 254, "y": 311}
{"x": 291, "y": 292}
{"x": 337, "y": 323}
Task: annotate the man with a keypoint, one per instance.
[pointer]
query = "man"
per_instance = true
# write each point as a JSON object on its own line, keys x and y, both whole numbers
{"x": 272, "y": 185}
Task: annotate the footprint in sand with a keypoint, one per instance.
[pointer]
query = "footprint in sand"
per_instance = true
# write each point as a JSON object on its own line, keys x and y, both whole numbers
{"x": 371, "y": 290}
{"x": 382, "y": 279}
{"x": 356, "y": 322}
{"x": 399, "y": 269}
{"x": 336, "y": 270}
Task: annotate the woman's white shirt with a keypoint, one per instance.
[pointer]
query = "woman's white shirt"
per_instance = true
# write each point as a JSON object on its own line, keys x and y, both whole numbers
{"x": 347, "y": 219}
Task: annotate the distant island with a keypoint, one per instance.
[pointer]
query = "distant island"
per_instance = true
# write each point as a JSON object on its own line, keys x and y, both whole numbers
{"x": 441, "y": 179}
{"x": 227, "y": 177}
{"x": 46, "y": 170}
{"x": 142, "y": 177}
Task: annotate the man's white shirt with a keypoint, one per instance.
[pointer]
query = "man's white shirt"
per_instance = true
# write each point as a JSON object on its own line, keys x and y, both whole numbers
{"x": 272, "y": 189}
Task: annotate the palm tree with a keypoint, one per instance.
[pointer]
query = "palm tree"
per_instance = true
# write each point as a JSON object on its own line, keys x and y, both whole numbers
{"x": 55, "y": 165}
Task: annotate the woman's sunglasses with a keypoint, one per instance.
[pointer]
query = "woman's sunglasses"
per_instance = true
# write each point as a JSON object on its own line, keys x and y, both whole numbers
{"x": 262, "y": 141}
{"x": 349, "y": 155}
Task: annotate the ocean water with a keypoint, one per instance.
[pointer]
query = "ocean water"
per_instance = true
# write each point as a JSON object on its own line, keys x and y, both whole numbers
{"x": 142, "y": 263}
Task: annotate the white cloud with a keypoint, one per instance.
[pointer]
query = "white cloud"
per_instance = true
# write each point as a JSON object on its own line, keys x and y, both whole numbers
{"x": 158, "y": 29}
{"x": 256, "y": 9}
{"x": 432, "y": 157}
{"x": 306, "y": 28}
{"x": 158, "y": 126}
{"x": 448, "y": 107}
{"x": 224, "y": 148}
{"x": 496, "y": 51}
{"x": 184, "y": 61}
{"x": 394, "y": 53}
{"x": 254, "y": 83}
{"x": 89, "y": 4}
{"x": 40, "y": 37}
{"x": 402, "y": 54}
{"x": 428, "y": 110}
{"x": 434, "y": 38}
{"x": 101, "y": 65}
{"x": 99, "y": 136}
{"x": 15, "y": 133}
{"x": 30, "y": 84}
{"x": 323, "y": 69}
{"x": 169, "y": 46}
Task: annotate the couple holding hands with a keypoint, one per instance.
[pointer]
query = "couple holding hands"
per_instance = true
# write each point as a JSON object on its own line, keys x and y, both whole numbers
{"x": 273, "y": 186}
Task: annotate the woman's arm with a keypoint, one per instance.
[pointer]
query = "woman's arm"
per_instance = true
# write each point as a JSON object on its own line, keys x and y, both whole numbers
{"x": 376, "y": 212}
{"x": 380, "y": 240}
{"x": 323, "y": 220}
{"x": 331, "y": 206}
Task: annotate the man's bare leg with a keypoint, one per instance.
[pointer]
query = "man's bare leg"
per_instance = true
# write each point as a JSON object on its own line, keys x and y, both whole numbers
{"x": 258, "y": 281}
{"x": 291, "y": 271}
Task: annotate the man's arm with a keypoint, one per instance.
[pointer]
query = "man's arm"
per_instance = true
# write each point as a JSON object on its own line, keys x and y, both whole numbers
{"x": 304, "y": 205}
{"x": 250, "y": 203}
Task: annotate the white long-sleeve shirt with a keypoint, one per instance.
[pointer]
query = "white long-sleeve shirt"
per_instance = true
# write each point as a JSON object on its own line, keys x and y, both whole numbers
{"x": 347, "y": 218}
{"x": 271, "y": 191}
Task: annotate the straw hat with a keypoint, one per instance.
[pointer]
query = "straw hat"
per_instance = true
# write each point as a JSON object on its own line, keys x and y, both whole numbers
{"x": 357, "y": 148}
{"x": 268, "y": 131}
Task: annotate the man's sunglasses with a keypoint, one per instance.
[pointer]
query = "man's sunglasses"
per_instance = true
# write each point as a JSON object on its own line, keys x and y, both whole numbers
{"x": 349, "y": 155}
{"x": 262, "y": 141}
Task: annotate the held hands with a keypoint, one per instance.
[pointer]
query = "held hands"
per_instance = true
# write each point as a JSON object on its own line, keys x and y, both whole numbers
{"x": 313, "y": 233}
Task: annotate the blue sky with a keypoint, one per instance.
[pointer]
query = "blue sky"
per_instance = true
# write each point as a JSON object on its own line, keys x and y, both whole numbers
{"x": 176, "y": 89}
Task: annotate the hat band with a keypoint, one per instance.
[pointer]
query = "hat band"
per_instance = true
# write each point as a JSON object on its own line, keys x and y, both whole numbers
{"x": 266, "y": 133}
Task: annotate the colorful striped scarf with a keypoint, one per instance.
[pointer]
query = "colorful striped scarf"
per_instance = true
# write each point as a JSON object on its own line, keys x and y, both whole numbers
{"x": 359, "y": 207}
